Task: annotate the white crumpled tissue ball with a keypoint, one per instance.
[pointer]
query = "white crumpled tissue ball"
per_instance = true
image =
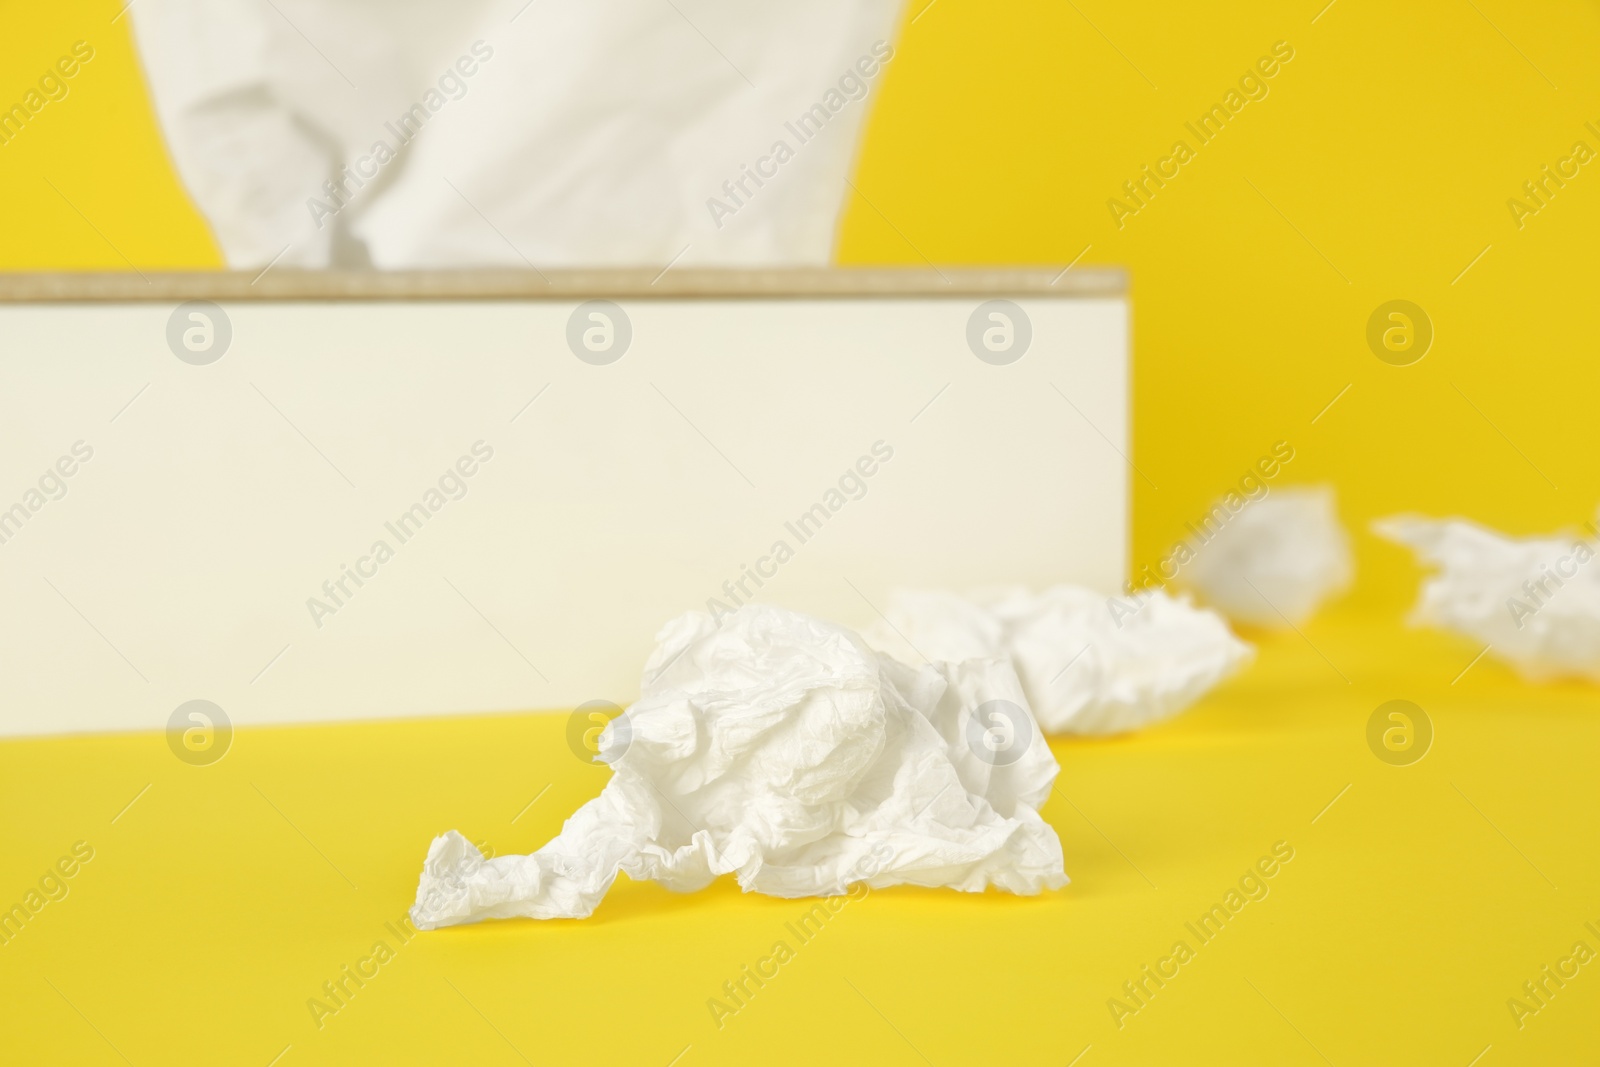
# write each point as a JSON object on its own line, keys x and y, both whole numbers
{"x": 1535, "y": 601}
{"x": 782, "y": 750}
{"x": 1089, "y": 664}
{"x": 1275, "y": 561}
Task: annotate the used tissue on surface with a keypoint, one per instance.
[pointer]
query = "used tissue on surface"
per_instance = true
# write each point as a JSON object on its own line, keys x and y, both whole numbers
{"x": 1276, "y": 560}
{"x": 782, "y": 750}
{"x": 1535, "y": 601}
{"x": 1088, "y": 665}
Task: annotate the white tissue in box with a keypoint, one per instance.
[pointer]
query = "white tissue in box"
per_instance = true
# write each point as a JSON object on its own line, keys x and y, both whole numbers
{"x": 1086, "y": 668}
{"x": 1535, "y": 601}
{"x": 1275, "y": 561}
{"x": 782, "y": 750}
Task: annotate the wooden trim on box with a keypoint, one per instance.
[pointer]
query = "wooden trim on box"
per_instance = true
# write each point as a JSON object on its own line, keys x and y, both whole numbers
{"x": 761, "y": 283}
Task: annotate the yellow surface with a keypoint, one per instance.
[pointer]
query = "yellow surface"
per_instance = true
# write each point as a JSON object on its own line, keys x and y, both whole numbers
{"x": 1413, "y": 909}
{"x": 1378, "y": 167}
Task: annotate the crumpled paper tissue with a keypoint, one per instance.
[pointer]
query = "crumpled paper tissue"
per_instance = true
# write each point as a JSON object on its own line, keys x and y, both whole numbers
{"x": 1276, "y": 560}
{"x": 782, "y": 750}
{"x": 1535, "y": 601}
{"x": 1086, "y": 668}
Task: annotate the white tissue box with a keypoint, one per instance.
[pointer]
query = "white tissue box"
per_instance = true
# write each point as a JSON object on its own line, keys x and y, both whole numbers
{"x": 545, "y": 507}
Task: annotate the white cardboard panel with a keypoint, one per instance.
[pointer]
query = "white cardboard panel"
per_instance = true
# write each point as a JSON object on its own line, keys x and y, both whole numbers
{"x": 180, "y": 560}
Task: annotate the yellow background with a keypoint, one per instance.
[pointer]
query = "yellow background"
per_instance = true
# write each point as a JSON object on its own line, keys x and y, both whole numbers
{"x": 1377, "y": 168}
